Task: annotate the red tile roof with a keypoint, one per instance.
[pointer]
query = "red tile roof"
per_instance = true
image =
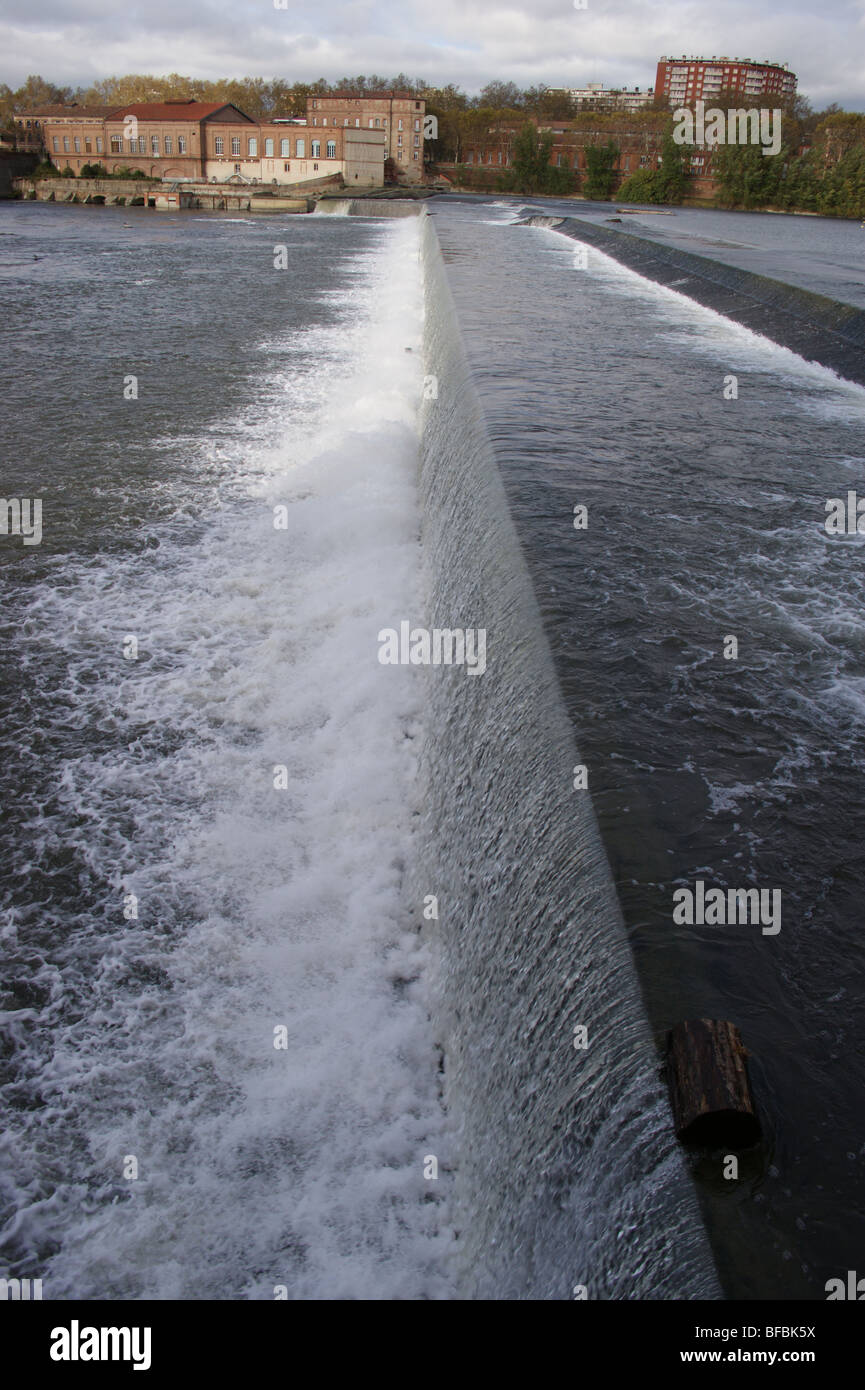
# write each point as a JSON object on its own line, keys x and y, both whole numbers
{"x": 173, "y": 110}
{"x": 70, "y": 110}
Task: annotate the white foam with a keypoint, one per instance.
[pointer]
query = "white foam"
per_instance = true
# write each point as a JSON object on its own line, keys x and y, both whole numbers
{"x": 259, "y": 908}
{"x": 698, "y": 328}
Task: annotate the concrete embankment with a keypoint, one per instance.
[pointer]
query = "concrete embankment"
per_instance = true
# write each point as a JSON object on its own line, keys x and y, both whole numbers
{"x": 176, "y": 196}
{"x": 813, "y": 326}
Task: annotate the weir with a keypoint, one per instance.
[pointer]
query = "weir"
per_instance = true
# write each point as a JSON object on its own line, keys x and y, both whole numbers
{"x": 367, "y": 207}
{"x": 814, "y": 326}
{"x": 566, "y": 1175}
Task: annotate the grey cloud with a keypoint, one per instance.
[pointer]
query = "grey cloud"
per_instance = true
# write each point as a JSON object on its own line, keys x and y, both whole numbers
{"x": 549, "y": 41}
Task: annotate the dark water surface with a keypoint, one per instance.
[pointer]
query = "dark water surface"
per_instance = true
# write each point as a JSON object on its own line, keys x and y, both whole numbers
{"x": 705, "y": 520}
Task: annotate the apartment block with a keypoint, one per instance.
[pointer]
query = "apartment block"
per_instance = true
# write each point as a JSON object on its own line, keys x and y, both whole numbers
{"x": 597, "y": 97}
{"x": 682, "y": 81}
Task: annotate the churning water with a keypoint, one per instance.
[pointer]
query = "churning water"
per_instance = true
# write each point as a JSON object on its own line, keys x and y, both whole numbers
{"x": 266, "y": 900}
{"x": 221, "y": 970}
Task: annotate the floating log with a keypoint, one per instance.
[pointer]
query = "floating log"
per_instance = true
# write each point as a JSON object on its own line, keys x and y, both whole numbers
{"x": 709, "y": 1087}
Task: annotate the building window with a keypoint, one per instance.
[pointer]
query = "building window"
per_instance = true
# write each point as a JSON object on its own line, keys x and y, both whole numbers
{"x": 399, "y": 124}
{"x": 55, "y": 144}
{"x": 417, "y": 125}
{"x": 414, "y": 156}
{"x": 399, "y": 139}
{"x": 345, "y": 122}
{"x": 219, "y": 145}
{"x": 88, "y": 144}
{"x": 377, "y": 122}
{"x": 169, "y": 148}
{"x": 237, "y": 168}
{"x": 286, "y": 167}
{"x": 141, "y": 145}
{"x": 331, "y": 149}
{"x": 417, "y": 139}
{"x": 235, "y": 144}
{"x": 77, "y": 141}
{"x": 268, "y": 148}
{"x": 181, "y": 144}
{"x": 253, "y": 147}
{"x": 370, "y": 122}
{"x": 99, "y": 144}
{"x": 315, "y": 166}
{"x": 116, "y": 144}
{"x": 66, "y": 145}
{"x": 357, "y": 120}
{"x": 324, "y": 120}
{"x": 300, "y": 149}
{"x": 154, "y": 144}
{"x": 315, "y": 120}
{"x": 315, "y": 149}
{"x": 285, "y": 148}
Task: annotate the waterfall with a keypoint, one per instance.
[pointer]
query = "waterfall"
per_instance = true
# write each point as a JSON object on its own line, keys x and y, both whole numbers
{"x": 367, "y": 207}
{"x": 566, "y": 1172}
{"x": 815, "y": 327}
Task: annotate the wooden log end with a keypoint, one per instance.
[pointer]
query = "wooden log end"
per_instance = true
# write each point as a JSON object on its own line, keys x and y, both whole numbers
{"x": 709, "y": 1087}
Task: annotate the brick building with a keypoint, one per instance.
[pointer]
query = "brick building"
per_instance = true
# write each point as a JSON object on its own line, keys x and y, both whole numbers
{"x": 399, "y": 115}
{"x": 184, "y": 139}
{"x": 76, "y": 131}
{"x": 682, "y": 81}
{"x": 639, "y": 146}
{"x": 173, "y": 139}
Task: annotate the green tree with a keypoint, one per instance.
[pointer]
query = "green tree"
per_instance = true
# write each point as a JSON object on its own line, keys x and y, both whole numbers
{"x": 641, "y": 187}
{"x": 672, "y": 175}
{"x": 531, "y": 170}
{"x": 747, "y": 177}
{"x": 600, "y": 169}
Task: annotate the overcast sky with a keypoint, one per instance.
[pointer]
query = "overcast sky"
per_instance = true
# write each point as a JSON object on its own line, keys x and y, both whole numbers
{"x": 468, "y": 42}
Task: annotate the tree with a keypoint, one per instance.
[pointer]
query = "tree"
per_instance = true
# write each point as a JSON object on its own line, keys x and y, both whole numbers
{"x": 670, "y": 179}
{"x": 641, "y": 187}
{"x": 501, "y": 95}
{"x": 600, "y": 169}
{"x": 747, "y": 177}
{"x": 37, "y": 92}
{"x": 531, "y": 171}
{"x": 548, "y": 103}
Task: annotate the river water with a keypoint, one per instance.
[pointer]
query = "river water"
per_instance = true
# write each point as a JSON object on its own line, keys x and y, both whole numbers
{"x": 232, "y": 1039}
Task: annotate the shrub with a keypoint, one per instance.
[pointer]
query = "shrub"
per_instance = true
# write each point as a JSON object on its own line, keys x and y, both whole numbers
{"x": 45, "y": 170}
